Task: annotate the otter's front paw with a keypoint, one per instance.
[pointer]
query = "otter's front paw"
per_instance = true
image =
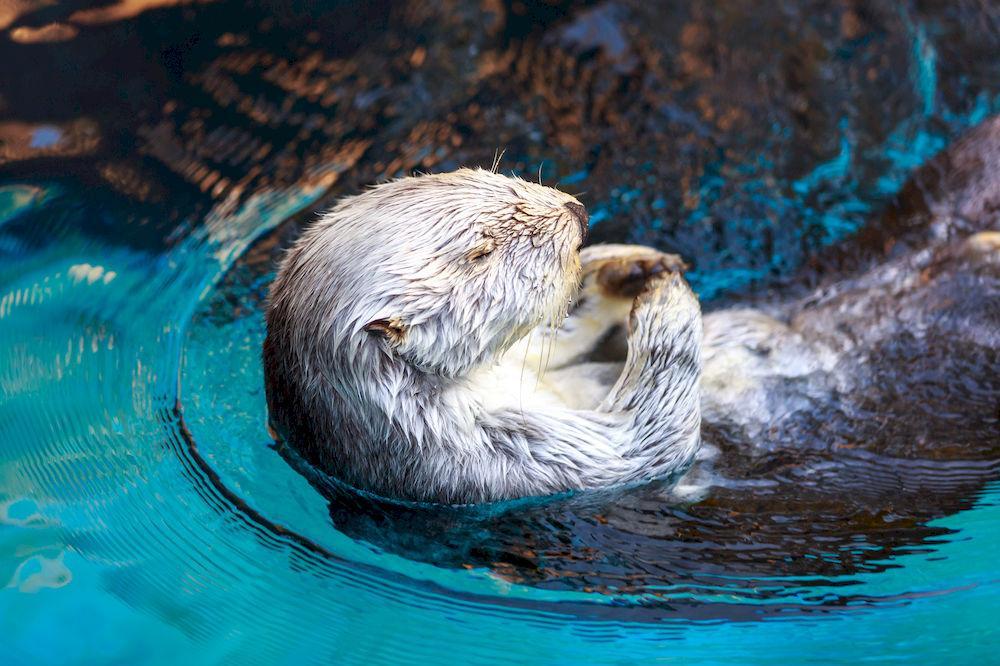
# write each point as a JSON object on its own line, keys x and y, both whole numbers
{"x": 666, "y": 305}
{"x": 624, "y": 271}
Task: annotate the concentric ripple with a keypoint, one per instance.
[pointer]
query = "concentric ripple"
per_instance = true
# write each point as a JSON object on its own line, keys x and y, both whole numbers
{"x": 806, "y": 522}
{"x": 147, "y": 517}
{"x": 169, "y": 514}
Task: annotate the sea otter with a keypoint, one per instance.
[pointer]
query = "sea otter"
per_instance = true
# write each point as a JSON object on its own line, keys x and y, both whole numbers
{"x": 444, "y": 338}
{"x": 400, "y": 356}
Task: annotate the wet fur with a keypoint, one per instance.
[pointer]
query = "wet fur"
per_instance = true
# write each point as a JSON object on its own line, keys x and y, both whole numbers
{"x": 482, "y": 409}
{"x": 389, "y": 359}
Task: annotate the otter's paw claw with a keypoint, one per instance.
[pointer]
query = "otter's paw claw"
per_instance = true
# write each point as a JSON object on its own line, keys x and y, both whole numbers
{"x": 624, "y": 271}
{"x": 666, "y": 302}
{"x": 984, "y": 244}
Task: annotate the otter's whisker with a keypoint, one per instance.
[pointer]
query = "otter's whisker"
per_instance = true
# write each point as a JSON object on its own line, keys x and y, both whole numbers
{"x": 551, "y": 335}
{"x": 497, "y": 157}
{"x": 524, "y": 364}
{"x": 555, "y": 341}
{"x": 544, "y": 352}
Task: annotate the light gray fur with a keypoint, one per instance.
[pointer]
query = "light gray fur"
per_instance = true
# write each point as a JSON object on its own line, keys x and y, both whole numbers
{"x": 423, "y": 404}
{"x": 481, "y": 390}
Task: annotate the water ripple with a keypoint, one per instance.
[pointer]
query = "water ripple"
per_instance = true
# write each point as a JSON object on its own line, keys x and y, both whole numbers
{"x": 145, "y": 515}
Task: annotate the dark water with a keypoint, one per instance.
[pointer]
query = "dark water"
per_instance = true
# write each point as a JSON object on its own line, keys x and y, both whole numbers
{"x": 154, "y": 163}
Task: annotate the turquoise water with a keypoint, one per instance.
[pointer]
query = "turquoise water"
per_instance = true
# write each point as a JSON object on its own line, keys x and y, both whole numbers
{"x": 128, "y": 536}
{"x": 147, "y": 517}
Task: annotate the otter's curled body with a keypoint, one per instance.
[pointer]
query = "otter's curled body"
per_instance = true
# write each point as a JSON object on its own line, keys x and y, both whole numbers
{"x": 404, "y": 329}
{"x": 442, "y": 338}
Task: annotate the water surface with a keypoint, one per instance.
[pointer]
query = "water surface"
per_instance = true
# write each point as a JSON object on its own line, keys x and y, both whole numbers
{"x": 146, "y": 516}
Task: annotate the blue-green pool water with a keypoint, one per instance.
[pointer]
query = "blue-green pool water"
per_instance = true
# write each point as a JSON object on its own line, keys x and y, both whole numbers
{"x": 146, "y": 516}
{"x": 117, "y": 546}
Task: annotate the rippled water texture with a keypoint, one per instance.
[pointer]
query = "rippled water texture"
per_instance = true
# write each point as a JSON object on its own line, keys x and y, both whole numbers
{"x": 156, "y": 157}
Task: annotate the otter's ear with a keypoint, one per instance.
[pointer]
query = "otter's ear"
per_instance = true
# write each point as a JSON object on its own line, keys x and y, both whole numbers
{"x": 392, "y": 331}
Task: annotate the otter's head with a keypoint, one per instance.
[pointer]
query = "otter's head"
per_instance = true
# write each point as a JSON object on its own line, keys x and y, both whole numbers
{"x": 441, "y": 271}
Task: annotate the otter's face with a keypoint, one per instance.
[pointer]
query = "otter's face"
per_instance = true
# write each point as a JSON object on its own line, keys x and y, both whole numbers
{"x": 443, "y": 271}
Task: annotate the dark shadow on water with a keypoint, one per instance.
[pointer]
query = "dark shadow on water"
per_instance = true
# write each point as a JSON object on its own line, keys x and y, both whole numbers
{"x": 806, "y": 520}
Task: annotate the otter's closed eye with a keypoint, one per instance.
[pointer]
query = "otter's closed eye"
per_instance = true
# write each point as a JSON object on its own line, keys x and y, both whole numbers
{"x": 390, "y": 331}
{"x": 481, "y": 252}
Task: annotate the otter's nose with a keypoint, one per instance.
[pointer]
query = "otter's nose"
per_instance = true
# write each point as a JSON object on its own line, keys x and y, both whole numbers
{"x": 580, "y": 213}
